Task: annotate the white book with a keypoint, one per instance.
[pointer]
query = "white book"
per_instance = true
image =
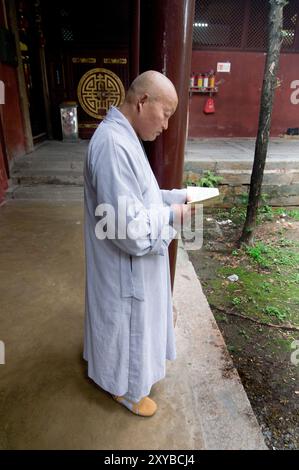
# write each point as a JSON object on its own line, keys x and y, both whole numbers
{"x": 200, "y": 194}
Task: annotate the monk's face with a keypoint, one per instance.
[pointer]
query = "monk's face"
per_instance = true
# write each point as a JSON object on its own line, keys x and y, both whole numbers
{"x": 154, "y": 114}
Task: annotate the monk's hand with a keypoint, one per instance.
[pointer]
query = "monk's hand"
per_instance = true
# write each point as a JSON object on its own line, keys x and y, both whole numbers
{"x": 182, "y": 213}
{"x": 189, "y": 196}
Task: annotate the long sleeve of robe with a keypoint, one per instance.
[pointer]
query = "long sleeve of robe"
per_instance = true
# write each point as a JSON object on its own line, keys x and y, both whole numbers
{"x": 129, "y": 330}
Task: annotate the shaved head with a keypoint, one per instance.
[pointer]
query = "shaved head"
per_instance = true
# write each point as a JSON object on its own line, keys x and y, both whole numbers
{"x": 153, "y": 83}
{"x": 150, "y": 101}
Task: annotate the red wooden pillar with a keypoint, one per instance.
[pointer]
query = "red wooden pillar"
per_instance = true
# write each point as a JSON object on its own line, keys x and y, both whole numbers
{"x": 4, "y": 169}
{"x": 166, "y": 46}
{"x": 3, "y": 164}
{"x": 134, "y": 39}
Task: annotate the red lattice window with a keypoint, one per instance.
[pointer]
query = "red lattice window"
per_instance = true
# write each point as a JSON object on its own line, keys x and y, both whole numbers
{"x": 242, "y": 24}
{"x": 290, "y": 25}
{"x": 218, "y": 23}
{"x": 257, "y": 25}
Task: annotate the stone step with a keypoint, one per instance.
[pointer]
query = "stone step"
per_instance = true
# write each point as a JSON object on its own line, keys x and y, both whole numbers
{"x": 47, "y": 165}
{"x": 55, "y": 170}
{"x": 218, "y": 165}
{"x": 33, "y": 177}
{"x": 46, "y": 192}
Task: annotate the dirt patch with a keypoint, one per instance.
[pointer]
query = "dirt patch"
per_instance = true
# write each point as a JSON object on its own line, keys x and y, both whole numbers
{"x": 267, "y": 290}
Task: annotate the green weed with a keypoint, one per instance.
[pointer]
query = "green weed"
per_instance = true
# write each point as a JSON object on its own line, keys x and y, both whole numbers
{"x": 275, "y": 312}
{"x": 208, "y": 180}
{"x": 236, "y": 300}
{"x": 269, "y": 255}
{"x": 244, "y": 334}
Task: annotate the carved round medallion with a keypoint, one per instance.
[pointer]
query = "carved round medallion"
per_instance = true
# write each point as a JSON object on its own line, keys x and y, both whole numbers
{"x": 99, "y": 89}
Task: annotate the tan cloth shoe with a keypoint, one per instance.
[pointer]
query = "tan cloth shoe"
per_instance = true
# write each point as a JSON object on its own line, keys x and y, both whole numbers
{"x": 145, "y": 407}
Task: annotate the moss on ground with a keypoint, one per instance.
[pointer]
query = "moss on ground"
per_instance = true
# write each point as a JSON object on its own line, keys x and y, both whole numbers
{"x": 268, "y": 284}
{"x": 264, "y": 296}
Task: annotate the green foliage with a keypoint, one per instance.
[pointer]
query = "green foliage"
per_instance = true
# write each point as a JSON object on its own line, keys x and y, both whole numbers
{"x": 265, "y": 213}
{"x": 269, "y": 255}
{"x": 208, "y": 180}
{"x": 294, "y": 214}
{"x": 222, "y": 318}
{"x": 275, "y": 312}
{"x": 266, "y": 286}
{"x": 237, "y": 214}
{"x": 243, "y": 333}
{"x": 294, "y": 278}
{"x": 244, "y": 199}
{"x": 258, "y": 290}
{"x": 256, "y": 253}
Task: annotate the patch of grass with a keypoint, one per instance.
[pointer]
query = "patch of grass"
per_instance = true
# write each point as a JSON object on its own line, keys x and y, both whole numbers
{"x": 276, "y": 312}
{"x": 256, "y": 253}
{"x": 268, "y": 255}
{"x": 266, "y": 286}
{"x": 254, "y": 291}
{"x": 265, "y": 212}
{"x": 222, "y": 318}
{"x": 236, "y": 301}
{"x": 292, "y": 213}
{"x": 293, "y": 279}
{"x": 238, "y": 213}
{"x": 268, "y": 273}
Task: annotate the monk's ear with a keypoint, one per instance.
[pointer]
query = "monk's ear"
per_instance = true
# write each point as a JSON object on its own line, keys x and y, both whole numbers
{"x": 142, "y": 100}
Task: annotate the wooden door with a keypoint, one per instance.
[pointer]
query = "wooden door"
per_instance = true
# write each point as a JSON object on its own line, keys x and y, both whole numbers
{"x": 98, "y": 81}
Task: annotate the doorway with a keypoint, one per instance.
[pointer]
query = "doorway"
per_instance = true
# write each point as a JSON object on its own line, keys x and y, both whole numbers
{"x": 31, "y": 42}
{"x": 88, "y": 58}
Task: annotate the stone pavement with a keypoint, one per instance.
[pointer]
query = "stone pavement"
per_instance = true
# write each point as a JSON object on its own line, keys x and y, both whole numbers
{"x": 232, "y": 159}
{"x": 241, "y": 149}
{"x": 46, "y": 400}
{"x": 41, "y": 174}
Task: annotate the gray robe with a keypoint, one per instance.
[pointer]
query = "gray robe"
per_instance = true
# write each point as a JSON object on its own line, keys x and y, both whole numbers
{"x": 129, "y": 330}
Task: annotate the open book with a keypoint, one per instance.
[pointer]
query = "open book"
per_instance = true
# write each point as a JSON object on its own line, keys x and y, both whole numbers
{"x": 200, "y": 194}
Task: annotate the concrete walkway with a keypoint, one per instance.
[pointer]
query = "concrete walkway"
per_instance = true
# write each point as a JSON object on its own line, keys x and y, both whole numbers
{"x": 41, "y": 174}
{"x": 46, "y": 401}
{"x": 232, "y": 159}
{"x": 241, "y": 149}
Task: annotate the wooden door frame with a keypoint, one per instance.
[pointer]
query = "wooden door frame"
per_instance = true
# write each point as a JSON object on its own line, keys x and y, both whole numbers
{"x": 12, "y": 16}
{"x": 24, "y": 104}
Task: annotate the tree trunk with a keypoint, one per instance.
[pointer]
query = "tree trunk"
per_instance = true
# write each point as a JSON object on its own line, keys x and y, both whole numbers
{"x": 267, "y": 98}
